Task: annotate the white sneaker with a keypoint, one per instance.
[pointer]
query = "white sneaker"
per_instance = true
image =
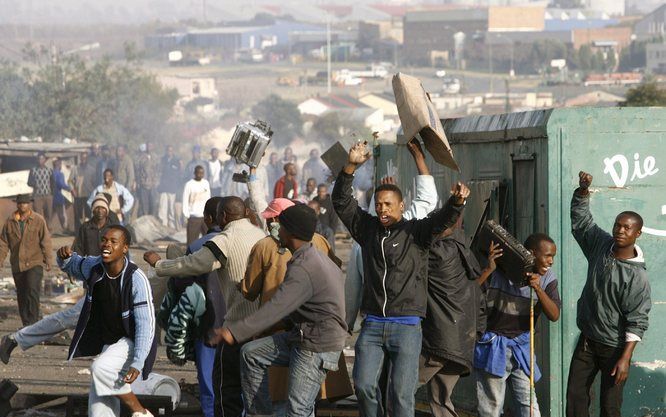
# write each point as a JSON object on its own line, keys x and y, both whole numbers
{"x": 144, "y": 414}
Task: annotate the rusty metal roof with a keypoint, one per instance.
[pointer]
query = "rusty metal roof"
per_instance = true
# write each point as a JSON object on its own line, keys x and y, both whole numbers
{"x": 19, "y": 148}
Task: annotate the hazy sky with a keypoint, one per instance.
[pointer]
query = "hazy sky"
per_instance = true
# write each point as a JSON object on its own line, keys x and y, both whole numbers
{"x": 141, "y": 11}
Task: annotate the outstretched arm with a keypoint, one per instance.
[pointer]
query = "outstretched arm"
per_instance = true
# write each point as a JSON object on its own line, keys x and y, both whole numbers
{"x": 75, "y": 265}
{"x": 200, "y": 262}
{"x": 291, "y": 294}
{"x": 584, "y": 229}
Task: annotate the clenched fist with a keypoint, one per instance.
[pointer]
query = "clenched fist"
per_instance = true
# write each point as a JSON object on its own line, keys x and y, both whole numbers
{"x": 584, "y": 182}
{"x": 64, "y": 252}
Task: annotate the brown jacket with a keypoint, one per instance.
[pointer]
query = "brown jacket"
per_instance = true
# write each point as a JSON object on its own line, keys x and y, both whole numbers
{"x": 29, "y": 250}
{"x": 267, "y": 267}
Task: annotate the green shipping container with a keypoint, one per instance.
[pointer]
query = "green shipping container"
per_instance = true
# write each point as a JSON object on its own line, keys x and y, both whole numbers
{"x": 523, "y": 167}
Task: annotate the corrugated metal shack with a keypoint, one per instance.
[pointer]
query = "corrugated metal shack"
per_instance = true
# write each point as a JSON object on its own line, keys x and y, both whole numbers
{"x": 525, "y": 167}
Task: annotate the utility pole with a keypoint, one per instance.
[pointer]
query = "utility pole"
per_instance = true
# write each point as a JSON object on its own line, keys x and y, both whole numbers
{"x": 507, "y": 102}
{"x": 490, "y": 64}
{"x": 328, "y": 54}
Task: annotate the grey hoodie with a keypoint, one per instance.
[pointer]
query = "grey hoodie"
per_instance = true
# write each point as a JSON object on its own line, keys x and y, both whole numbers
{"x": 616, "y": 297}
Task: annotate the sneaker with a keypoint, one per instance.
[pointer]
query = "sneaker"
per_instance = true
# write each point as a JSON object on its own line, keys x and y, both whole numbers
{"x": 145, "y": 413}
{"x": 6, "y": 346}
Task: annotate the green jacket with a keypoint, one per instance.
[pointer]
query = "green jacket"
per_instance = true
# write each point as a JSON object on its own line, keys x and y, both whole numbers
{"x": 616, "y": 297}
{"x": 180, "y": 316}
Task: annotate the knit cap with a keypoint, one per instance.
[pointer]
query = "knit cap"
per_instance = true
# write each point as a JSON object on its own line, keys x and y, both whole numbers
{"x": 300, "y": 221}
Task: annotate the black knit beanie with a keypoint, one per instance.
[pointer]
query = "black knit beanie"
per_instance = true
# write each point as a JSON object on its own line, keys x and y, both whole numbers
{"x": 299, "y": 220}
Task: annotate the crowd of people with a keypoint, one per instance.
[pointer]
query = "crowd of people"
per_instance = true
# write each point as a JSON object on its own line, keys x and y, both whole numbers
{"x": 259, "y": 286}
{"x": 171, "y": 190}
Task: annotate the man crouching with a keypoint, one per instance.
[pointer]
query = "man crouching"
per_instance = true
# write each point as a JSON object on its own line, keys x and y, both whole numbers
{"x": 312, "y": 299}
{"x": 117, "y": 322}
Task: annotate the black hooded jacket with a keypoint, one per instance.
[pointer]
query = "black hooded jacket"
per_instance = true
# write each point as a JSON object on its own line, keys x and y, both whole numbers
{"x": 454, "y": 301}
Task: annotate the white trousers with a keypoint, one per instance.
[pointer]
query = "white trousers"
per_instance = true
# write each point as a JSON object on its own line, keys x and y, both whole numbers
{"x": 167, "y": 210}
{"x": 107, "y": 373}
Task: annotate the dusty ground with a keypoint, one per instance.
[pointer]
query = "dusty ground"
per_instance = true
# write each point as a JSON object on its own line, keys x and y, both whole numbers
{"x": 44, "y": 370}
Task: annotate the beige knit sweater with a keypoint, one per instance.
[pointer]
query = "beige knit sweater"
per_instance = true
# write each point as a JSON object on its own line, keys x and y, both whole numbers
{"x": 235, "y": 242}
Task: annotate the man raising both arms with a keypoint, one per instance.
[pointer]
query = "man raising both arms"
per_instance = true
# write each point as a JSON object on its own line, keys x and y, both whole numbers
{"x": 395, "y": 264}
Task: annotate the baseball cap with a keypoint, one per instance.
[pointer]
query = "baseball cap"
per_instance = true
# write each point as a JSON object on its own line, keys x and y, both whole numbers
{"x": 276, "y": 207}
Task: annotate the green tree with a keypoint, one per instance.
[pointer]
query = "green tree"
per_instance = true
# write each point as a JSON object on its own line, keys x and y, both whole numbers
{"x": 585, "y": 58}
{"x": 283, "y": 115}
{"x": 14, "y": 101}
{"x": 66, "y": 97}
{"x": 543, "y": 51}
{"x": 633, "y": 56}
{"x": 645, "y": 95}
{"x": 330, "y": 128}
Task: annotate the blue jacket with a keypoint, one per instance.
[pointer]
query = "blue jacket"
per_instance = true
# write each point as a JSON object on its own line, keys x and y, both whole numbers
{"x": 490, "y": 354}
{"x": 138, "y": 315}
{"x": 60, "y": 184}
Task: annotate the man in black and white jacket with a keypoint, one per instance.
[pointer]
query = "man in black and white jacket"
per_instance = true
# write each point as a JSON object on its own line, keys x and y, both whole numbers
{"x": 395, "y": 263}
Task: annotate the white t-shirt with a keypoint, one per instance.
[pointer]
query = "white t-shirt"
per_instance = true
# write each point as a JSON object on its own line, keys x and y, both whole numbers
{"x": 195, "y": 195}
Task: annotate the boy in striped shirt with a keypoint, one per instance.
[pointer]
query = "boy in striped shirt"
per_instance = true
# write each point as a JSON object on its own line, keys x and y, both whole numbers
{"x": 502, "y": 355}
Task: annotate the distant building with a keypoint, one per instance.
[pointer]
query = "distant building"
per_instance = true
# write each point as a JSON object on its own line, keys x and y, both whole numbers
{"x": 653, "y": 25}
{"x": 226, "y": 40}
{"x": 557, "y": 19}
{"x": 516, "y": 19}
{"x": 317, "y": 106}
{"x": 429, "y": 32}
{"x": 190, "y": 88}
{"x": 655, "y": 54}
{"x": 612, "y": 38}
{"x": 347, "y": 108}
{"x": 612, "y": 7}
{"x": 596, "y": 98}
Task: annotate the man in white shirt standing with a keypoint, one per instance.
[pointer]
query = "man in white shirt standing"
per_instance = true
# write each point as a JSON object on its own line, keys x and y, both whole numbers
{"x": 214, "y": 172}
{"x": 195, "y": 195}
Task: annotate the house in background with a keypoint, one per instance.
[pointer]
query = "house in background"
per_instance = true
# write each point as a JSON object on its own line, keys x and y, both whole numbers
{"x": 655, "y": 58}
{"x": 596, "y": 98}
{"x": 348, "y": 109}
{"x": 652, "y": 25}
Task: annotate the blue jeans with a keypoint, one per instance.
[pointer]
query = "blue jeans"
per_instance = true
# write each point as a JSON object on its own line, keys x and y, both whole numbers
{"x": 205, "y": 358}
{"x": 49, "y": 327}
{"x": 401, "y": 345}
{"x": 490, "y": 390}
{"x": 307, "y": 371}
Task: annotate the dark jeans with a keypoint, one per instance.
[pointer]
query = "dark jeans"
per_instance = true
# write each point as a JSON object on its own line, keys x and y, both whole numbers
{"x": 148, "y": 201}
{"x": 81, "y": 211}
{"x": 28, "y": 287}
{"x": 588, "y": 359}
{"x": 227, "y": 381}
